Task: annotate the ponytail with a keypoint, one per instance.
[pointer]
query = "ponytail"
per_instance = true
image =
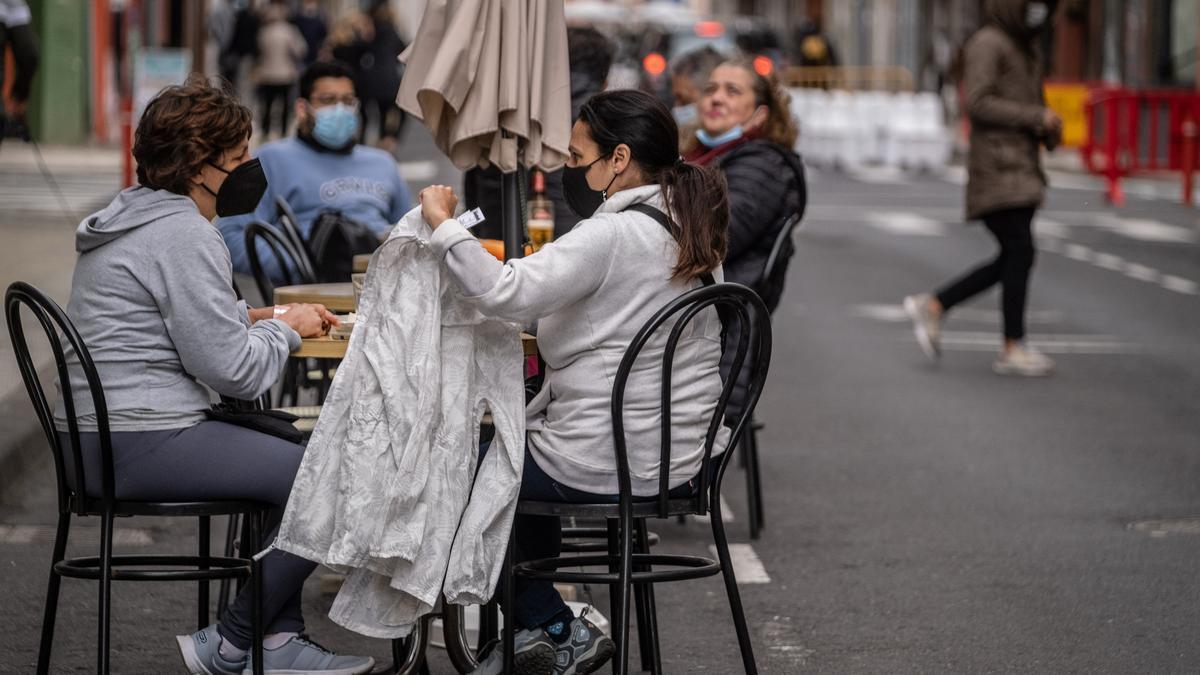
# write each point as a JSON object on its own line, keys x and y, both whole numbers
{"x": 696, "y": 197}
{"x": 698, "y": 203}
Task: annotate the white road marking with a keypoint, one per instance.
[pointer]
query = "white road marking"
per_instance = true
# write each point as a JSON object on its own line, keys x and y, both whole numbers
{"x": 906, "y": 223}
{"x": 1047, "y": 343}
{"x": 1109, "y": 261}
{"x": 1078, "y": 252}
{"x": 1140, "y": 272}
{"x": 1179, "y": 284}
{"x": 746, "y": 566}
{"x": 1145, "y": 229}
{"x": 1046, "y": 227}
{"x": 896, "y": 314}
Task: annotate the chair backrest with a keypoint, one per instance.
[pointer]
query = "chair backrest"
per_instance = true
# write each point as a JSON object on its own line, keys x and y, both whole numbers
{"x": 749, "y": 321}
{"x": 286, "y": 259}
{"x": 61, "y": 335}
{"x": 775, "y": 269}
{"x": 290, "y": 226}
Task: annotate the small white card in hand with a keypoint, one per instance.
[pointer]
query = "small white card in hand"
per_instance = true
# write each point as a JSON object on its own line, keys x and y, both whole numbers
{"x": 469, "y": 219}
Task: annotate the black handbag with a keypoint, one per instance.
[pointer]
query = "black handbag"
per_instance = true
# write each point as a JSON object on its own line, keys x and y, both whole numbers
{"x": 273, "y": 422}
{"x": 334, "y": 241}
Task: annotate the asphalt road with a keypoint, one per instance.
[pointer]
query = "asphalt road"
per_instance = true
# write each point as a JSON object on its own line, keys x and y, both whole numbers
{"x": 920, "y": 519}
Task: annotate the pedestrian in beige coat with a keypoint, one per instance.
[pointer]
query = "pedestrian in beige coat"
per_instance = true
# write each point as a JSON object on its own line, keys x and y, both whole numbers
{"x": 1005, "y": 184}
{"x": 280, "y": 50}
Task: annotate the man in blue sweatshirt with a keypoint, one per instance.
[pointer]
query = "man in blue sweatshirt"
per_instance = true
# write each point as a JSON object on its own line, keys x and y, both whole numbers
{"x": 322, "y": 168}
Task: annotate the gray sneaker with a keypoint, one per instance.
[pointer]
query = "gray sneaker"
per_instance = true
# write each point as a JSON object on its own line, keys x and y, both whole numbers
{"x": 585, "y": 651}
{"x": 1025, "y": 361}
{"x": 201, "y": 656}
{"x": 926, "y": 325}
{"x": 302, "y": 656}
{"x": 533, "y": 654}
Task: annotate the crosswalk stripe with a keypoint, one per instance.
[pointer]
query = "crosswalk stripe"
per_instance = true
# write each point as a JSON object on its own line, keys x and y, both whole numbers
{"x": 746, "y": 565}
{"x": 906, "y": 223}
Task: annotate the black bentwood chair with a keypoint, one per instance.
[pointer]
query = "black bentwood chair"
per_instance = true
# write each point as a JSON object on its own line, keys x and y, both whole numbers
{"x": 772, "y": 277}
{"x": 289, "y": 224}
{"x": 72, "y": 500}
{"x": 623, "y": 569}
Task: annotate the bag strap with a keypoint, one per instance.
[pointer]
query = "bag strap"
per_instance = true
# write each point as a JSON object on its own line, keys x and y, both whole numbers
{"x": 706, "y": 278}
{"x": 645, "y": 209}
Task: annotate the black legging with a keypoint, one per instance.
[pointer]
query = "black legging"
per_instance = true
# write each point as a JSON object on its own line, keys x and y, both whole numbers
{"x": 268, "y": 96}
{"x": 1013, "y": 230}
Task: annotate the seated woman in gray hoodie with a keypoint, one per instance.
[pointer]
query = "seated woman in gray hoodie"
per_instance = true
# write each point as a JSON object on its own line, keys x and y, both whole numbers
{"x": 153, "y": 299}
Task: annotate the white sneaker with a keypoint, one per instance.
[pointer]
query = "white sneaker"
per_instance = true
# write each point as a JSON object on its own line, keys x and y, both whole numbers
{"x": 1025, "y": 361}
{"x": 926, "y": 325}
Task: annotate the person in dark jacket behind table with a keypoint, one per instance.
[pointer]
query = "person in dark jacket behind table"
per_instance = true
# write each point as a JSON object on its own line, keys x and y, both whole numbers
{"x": 1005, "y": 184}
{"x": 747, "y": 130}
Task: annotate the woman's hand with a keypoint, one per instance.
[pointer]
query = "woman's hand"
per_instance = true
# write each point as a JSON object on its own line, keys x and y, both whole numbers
{"x": 309, "y": 320}
{"x": 437, "y": 204}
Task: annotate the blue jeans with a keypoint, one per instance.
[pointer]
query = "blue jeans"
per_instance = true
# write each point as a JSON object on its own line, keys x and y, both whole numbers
{"x": 536, "y": 537}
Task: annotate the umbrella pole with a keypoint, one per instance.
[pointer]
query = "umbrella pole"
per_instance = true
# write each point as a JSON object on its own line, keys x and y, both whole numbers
{"x": 512, "y": 214}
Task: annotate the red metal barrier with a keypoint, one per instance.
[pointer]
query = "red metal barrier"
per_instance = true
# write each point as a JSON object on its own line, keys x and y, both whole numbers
{"x": 1140, "y": 131}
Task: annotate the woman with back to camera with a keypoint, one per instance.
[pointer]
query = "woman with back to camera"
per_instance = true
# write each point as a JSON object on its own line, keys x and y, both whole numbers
{"x": 152, "y": 297}
{"x": 591, "y": 291}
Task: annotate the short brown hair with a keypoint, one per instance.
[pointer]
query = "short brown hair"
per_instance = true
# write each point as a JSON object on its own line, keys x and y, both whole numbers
{"x": 780, "y": 126}
{"x": 184, "y": 127}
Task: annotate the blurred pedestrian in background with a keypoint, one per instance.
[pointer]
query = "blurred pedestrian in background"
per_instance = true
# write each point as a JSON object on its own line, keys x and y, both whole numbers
{"x": 280, "y": 50}
{"x": 689, "y": 75}
{"x": 591, "y": 58}
{"x": 310, "y": 21}
{"x": 16, "y": 31}
{"x": 1005, "y": 183}
{"x": 813, "y": 46}
{"x": 242, "y": 44}
{"x": 381, "y": 78}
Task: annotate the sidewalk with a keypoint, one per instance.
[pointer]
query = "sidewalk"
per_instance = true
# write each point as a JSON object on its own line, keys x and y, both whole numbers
{"x": 37, "y": 246}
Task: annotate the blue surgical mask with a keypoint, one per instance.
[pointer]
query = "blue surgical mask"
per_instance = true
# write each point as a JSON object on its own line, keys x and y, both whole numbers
{"x": 336, "y": 125}
{"x": 710, "y": 141}
{"x": 685, "y": 114}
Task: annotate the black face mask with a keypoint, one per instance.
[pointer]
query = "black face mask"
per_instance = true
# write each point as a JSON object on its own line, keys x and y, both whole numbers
{"x": 580, "y": 196}
{"x": 242, "y": 190}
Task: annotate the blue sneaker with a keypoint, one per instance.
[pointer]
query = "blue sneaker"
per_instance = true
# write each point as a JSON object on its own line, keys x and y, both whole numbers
{"x": 201, "y": 656}
{"x": 302, "y": 656}
{"x": 533, "y": 654}
{"x": 585, "y": 651}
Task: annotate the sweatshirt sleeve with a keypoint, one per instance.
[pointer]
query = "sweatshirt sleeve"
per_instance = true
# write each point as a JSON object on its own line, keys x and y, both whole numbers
{"x": 984, "y": 104}
{"x": 205, "y": 321}
{"x": 402, "y": 199}
{"x": 526, "y": 289}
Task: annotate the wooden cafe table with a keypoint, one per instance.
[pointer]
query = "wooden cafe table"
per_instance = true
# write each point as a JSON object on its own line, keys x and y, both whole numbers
{"x": 337, "y": 297}
{"x": 329, "y": 348}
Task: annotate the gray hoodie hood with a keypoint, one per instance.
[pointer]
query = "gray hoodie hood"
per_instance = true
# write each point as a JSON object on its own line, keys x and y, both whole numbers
{"x": 131, "y": 209}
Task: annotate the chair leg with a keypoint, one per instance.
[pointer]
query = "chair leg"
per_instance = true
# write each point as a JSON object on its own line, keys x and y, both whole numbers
{"x": 614, "y": 590}
{"x": 621, "y": 623}
{"x": 106, "y": 527}
{"x": 731, "y": 589}
{"x": 202, "y": 595}
{"x": 50, "y": 612}
{"x": 230, "y": 543}
{"x": 752, "y": 488}
{"x": 256, "y": 588}
{"x": 648, "y": 612}
{"x": 758, "y": 488}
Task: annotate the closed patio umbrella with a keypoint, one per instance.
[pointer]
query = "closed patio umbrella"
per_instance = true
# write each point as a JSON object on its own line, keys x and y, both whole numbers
{"x": 491, "y": 82}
